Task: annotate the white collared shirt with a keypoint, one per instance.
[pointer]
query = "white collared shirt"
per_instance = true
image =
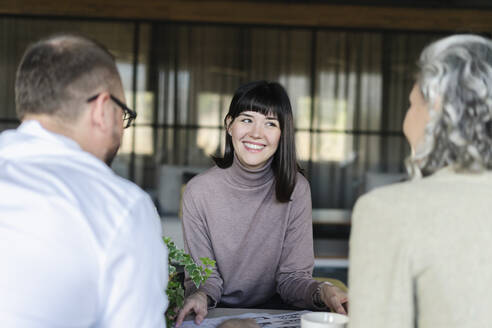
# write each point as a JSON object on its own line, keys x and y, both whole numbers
{"x": 79, "y": 246}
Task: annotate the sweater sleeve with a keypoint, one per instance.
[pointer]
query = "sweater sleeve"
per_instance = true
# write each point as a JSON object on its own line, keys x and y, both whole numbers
{"x": 294, "y": 275}
{"x": 197, "y": 244}
{"x": 380, "y": 276}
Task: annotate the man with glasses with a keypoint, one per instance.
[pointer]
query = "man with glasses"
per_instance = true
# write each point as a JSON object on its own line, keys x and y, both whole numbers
{"x": 81, "y": 247}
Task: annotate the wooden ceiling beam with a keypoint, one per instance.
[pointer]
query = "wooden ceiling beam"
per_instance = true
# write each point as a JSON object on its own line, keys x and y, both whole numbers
{"x": 243, "y": 12}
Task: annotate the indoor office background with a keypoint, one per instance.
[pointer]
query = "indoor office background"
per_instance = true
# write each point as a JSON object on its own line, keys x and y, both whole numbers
{"x": 348, "y": 88}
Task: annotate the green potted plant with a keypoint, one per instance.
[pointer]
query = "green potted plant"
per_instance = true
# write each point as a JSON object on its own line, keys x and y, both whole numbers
{"x": 197, "y": 273}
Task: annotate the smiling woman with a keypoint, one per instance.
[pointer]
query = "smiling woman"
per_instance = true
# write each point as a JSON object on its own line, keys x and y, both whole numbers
{"x": 260, "y": 114}
{"x": 251, "y": 213}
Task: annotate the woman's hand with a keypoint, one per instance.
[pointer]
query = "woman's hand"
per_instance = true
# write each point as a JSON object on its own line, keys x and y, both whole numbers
{"x": 334, "y": 298}
{"x": 197, "y": 303}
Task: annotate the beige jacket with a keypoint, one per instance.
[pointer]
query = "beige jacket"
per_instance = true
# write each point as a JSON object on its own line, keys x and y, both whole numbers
{"x": 421, "y": 254}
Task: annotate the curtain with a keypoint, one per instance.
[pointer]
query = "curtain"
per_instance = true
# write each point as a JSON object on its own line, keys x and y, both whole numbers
{"x": 348, "y": 89}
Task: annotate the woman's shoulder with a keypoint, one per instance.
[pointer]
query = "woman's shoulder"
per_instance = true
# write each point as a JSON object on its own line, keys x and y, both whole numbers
{"x": 392, "y": 194}
{"x": 410, "y": 192}
{"x": 205, "y": 176}
{"x": 388, "y": 210}
{"x": 205, "y": 180}
{"x": 401, "y": 205}
{"x": 301, "y": 181}
{"x": 302, "y": 187}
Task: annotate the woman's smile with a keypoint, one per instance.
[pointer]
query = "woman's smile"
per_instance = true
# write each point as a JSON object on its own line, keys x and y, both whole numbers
{"x": 253, "y": 146}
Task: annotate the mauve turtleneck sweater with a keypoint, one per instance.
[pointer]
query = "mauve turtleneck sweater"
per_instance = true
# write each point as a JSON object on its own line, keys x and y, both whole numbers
{"x": 260, "y": 246}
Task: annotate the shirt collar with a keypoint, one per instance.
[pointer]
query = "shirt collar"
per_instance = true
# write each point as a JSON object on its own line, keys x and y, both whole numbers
{"x": 31, "y": 140}
{"x": 34, "y": 128}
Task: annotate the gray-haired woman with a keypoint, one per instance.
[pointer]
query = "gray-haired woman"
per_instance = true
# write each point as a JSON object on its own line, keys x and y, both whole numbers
{"x": 420, "y": 251}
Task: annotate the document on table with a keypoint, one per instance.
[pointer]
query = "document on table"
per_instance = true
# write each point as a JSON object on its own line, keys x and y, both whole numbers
{"x": 264, "y": 320}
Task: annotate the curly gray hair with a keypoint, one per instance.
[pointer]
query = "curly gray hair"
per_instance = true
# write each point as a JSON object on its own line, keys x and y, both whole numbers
{"x": 455, "y": 78}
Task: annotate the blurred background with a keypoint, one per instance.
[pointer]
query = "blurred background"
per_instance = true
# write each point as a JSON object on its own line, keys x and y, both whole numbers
{"x": 346, "y": 65}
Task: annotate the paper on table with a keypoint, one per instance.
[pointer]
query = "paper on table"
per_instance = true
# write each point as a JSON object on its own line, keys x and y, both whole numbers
{"x": 264, "y": 320}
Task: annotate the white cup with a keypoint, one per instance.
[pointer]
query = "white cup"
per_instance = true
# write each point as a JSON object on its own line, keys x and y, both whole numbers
{"x": 324, "y": 320}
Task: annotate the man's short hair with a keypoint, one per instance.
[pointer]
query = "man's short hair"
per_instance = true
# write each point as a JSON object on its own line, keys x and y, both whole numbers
{"x": 56, "y": 75}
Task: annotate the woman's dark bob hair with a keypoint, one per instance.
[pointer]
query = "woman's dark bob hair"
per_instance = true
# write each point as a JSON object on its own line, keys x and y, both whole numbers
{"x": 267, "y": 98}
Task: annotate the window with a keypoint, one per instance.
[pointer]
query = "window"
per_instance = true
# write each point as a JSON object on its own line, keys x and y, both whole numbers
{"x": 349, "y": 92}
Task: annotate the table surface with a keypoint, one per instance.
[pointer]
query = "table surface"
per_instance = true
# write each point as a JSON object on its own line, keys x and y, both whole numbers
{"x": 222, "y": 312}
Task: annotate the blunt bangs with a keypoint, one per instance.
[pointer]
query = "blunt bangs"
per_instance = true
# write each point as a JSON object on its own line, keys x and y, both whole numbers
{"x": 260, "y": 103}
{"x": 264, "y": 98}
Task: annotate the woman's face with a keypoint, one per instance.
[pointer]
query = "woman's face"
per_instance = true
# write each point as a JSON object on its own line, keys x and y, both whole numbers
{"x": 416, "y": 118}
{"x": 255, "y": 137}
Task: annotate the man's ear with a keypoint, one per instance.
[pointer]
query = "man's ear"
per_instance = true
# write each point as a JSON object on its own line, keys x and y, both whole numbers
{"x": 99, "y": 112}
{"x": 228, "y": 123}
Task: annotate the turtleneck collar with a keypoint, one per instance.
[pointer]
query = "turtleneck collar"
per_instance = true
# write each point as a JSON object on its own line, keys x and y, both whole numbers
{"x": 238, "y": 174}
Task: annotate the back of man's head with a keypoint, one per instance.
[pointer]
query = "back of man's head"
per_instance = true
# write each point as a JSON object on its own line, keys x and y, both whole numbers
{"x": 57, "y": 75}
